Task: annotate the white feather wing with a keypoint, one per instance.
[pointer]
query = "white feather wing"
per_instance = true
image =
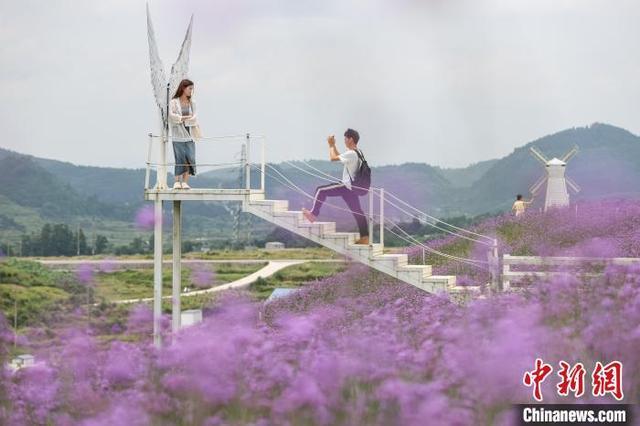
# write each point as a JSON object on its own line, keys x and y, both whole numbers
{"x": 158, "y": 76}
{"x": 180, "y": 68}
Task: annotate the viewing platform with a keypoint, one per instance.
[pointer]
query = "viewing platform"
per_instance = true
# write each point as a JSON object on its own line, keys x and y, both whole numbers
{"x": 203, "y": 194}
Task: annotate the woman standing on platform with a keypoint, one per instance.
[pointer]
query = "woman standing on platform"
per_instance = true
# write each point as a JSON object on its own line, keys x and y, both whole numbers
{"x": 184, "y": 130}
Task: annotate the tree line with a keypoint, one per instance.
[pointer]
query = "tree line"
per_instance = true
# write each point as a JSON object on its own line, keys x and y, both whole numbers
{"x": 60, "y": 240}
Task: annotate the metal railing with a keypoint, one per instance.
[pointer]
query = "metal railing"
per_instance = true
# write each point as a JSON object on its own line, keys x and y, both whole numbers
{"x": 491, "y": 264}
{"x": 246, "y": 142}
{"x": 373, "y": 191}
{"x": 529, "y": 266}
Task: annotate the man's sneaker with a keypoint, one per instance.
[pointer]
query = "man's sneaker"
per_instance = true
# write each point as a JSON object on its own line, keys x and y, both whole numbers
{"x": 310, "y": 216}
{"x": 363, "y": 240}
{"x": 177, "y": 185}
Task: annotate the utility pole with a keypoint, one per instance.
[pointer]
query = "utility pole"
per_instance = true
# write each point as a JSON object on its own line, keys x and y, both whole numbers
{"x": 78, "y": 240}
{"x": 15, "y": 322}
{"x": 237, "y": 215}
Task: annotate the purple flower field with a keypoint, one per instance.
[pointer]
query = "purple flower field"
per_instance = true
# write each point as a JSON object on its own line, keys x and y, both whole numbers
{"x": 607, "y": 228}
{"x": 355, "y": 348}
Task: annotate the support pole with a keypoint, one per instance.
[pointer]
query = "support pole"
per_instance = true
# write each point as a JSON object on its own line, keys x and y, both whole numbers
{"x": 157, "y": 273}
{"x": 262, "y": 167}
{"x": 506, "y": 270}
{"x": 162, "y": 179}
{"x": 166, "y": 140}
{"x": 177, "y": 266}
{"x": 382, "y": 217}
{"x": 248, "y": 163}
{"x": 147, "y": 174}
{"x": 494, "y": 265}
{"x": 370, "y": 216}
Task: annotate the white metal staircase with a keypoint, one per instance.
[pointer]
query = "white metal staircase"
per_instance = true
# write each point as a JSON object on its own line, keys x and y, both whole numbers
{"x": 324, "y": 233}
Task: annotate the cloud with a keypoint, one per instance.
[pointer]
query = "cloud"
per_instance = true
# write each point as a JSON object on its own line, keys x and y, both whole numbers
{"x": 448, "y": 83}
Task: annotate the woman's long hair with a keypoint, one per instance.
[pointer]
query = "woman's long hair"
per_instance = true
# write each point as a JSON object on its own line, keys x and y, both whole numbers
{"x": 183, "y": 85}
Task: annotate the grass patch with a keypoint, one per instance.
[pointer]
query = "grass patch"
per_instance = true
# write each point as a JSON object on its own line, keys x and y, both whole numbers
{"x": 288, "y": 253}
{"x": 199, "y": 301}
{"x": 131, "y": 283}
{"x": 35, "y": 305}
{"x": 294, "y": 276}
{"x": 227, "y": 272}
{"x": 26, "y": 273}
{"x": 513, "y": 233}
{"x": 138, "y": 283}
{"x": 459, "y": 247}
{"x": 41, "y": 294}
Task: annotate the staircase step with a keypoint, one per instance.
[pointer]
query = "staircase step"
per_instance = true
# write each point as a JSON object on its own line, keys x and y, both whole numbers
{"x": 420, "y": 271}
{"x": 463, "y": 288}
{"x": 271, "y": 205}
{"x": 341, "y": 239}
{"x": 393, "y": 260}
{"x": 462, "y": 294}
{"x": 319, "y": 228}
{"x": 447, "y": 280}
{"x": 432, "y": 287}
{"x": 293, "y": 217}
{"x": 365, "y": 250}
{"x": 349, "y": 237}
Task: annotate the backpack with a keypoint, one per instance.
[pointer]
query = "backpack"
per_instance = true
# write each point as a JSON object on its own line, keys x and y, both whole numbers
{"x": 361, "y": 182}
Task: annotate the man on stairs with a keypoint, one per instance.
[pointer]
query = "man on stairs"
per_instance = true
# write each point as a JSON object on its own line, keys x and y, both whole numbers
{"x": 352, "y": 159}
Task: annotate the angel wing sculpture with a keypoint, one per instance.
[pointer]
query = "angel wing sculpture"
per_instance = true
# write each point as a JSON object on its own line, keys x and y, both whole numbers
{"x": 163, "y": 88}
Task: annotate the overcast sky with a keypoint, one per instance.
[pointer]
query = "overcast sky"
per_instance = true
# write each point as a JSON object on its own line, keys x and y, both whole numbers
{"x": 444, "y": 82}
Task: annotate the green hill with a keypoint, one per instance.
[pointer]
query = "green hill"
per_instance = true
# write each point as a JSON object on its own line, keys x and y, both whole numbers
{"x": 608, "y": 165}
{"x": 35, "y": 190}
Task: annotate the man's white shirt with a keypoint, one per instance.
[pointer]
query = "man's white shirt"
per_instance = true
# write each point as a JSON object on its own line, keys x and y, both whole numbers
{"x": 351, "y": 162}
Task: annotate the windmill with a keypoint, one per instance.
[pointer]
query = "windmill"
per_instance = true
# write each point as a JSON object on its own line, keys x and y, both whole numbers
{"x": 163, "y": 88}
{"x": 557, "y": 182}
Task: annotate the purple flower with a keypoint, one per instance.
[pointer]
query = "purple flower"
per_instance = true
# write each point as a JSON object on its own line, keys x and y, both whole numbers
{"x": 124, "y": 364}
{"x": 355, "y": 347}
{"x": 140, "y": 319}
{"x": 107, "y": 265}
{"x": 203, "y": 275}
{"x": 84, "y": 274}
{"x": 145, "y": 218}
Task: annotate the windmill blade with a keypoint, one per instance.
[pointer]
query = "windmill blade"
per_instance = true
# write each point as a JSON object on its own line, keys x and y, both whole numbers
{"x": 538, "y": 155}
{"x": 158, "y": 77}
{"x": 571, "y": 184}
{"x": 570, "y": 154}
{"x": 536, "y": 186}
{"x": 180, "y": 68}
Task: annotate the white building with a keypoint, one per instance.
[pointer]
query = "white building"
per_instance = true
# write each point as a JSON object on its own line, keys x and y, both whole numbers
{"x": 557, "y": 194}
{"x": 22, "y": 361}
{"x": 190, "y": 317}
